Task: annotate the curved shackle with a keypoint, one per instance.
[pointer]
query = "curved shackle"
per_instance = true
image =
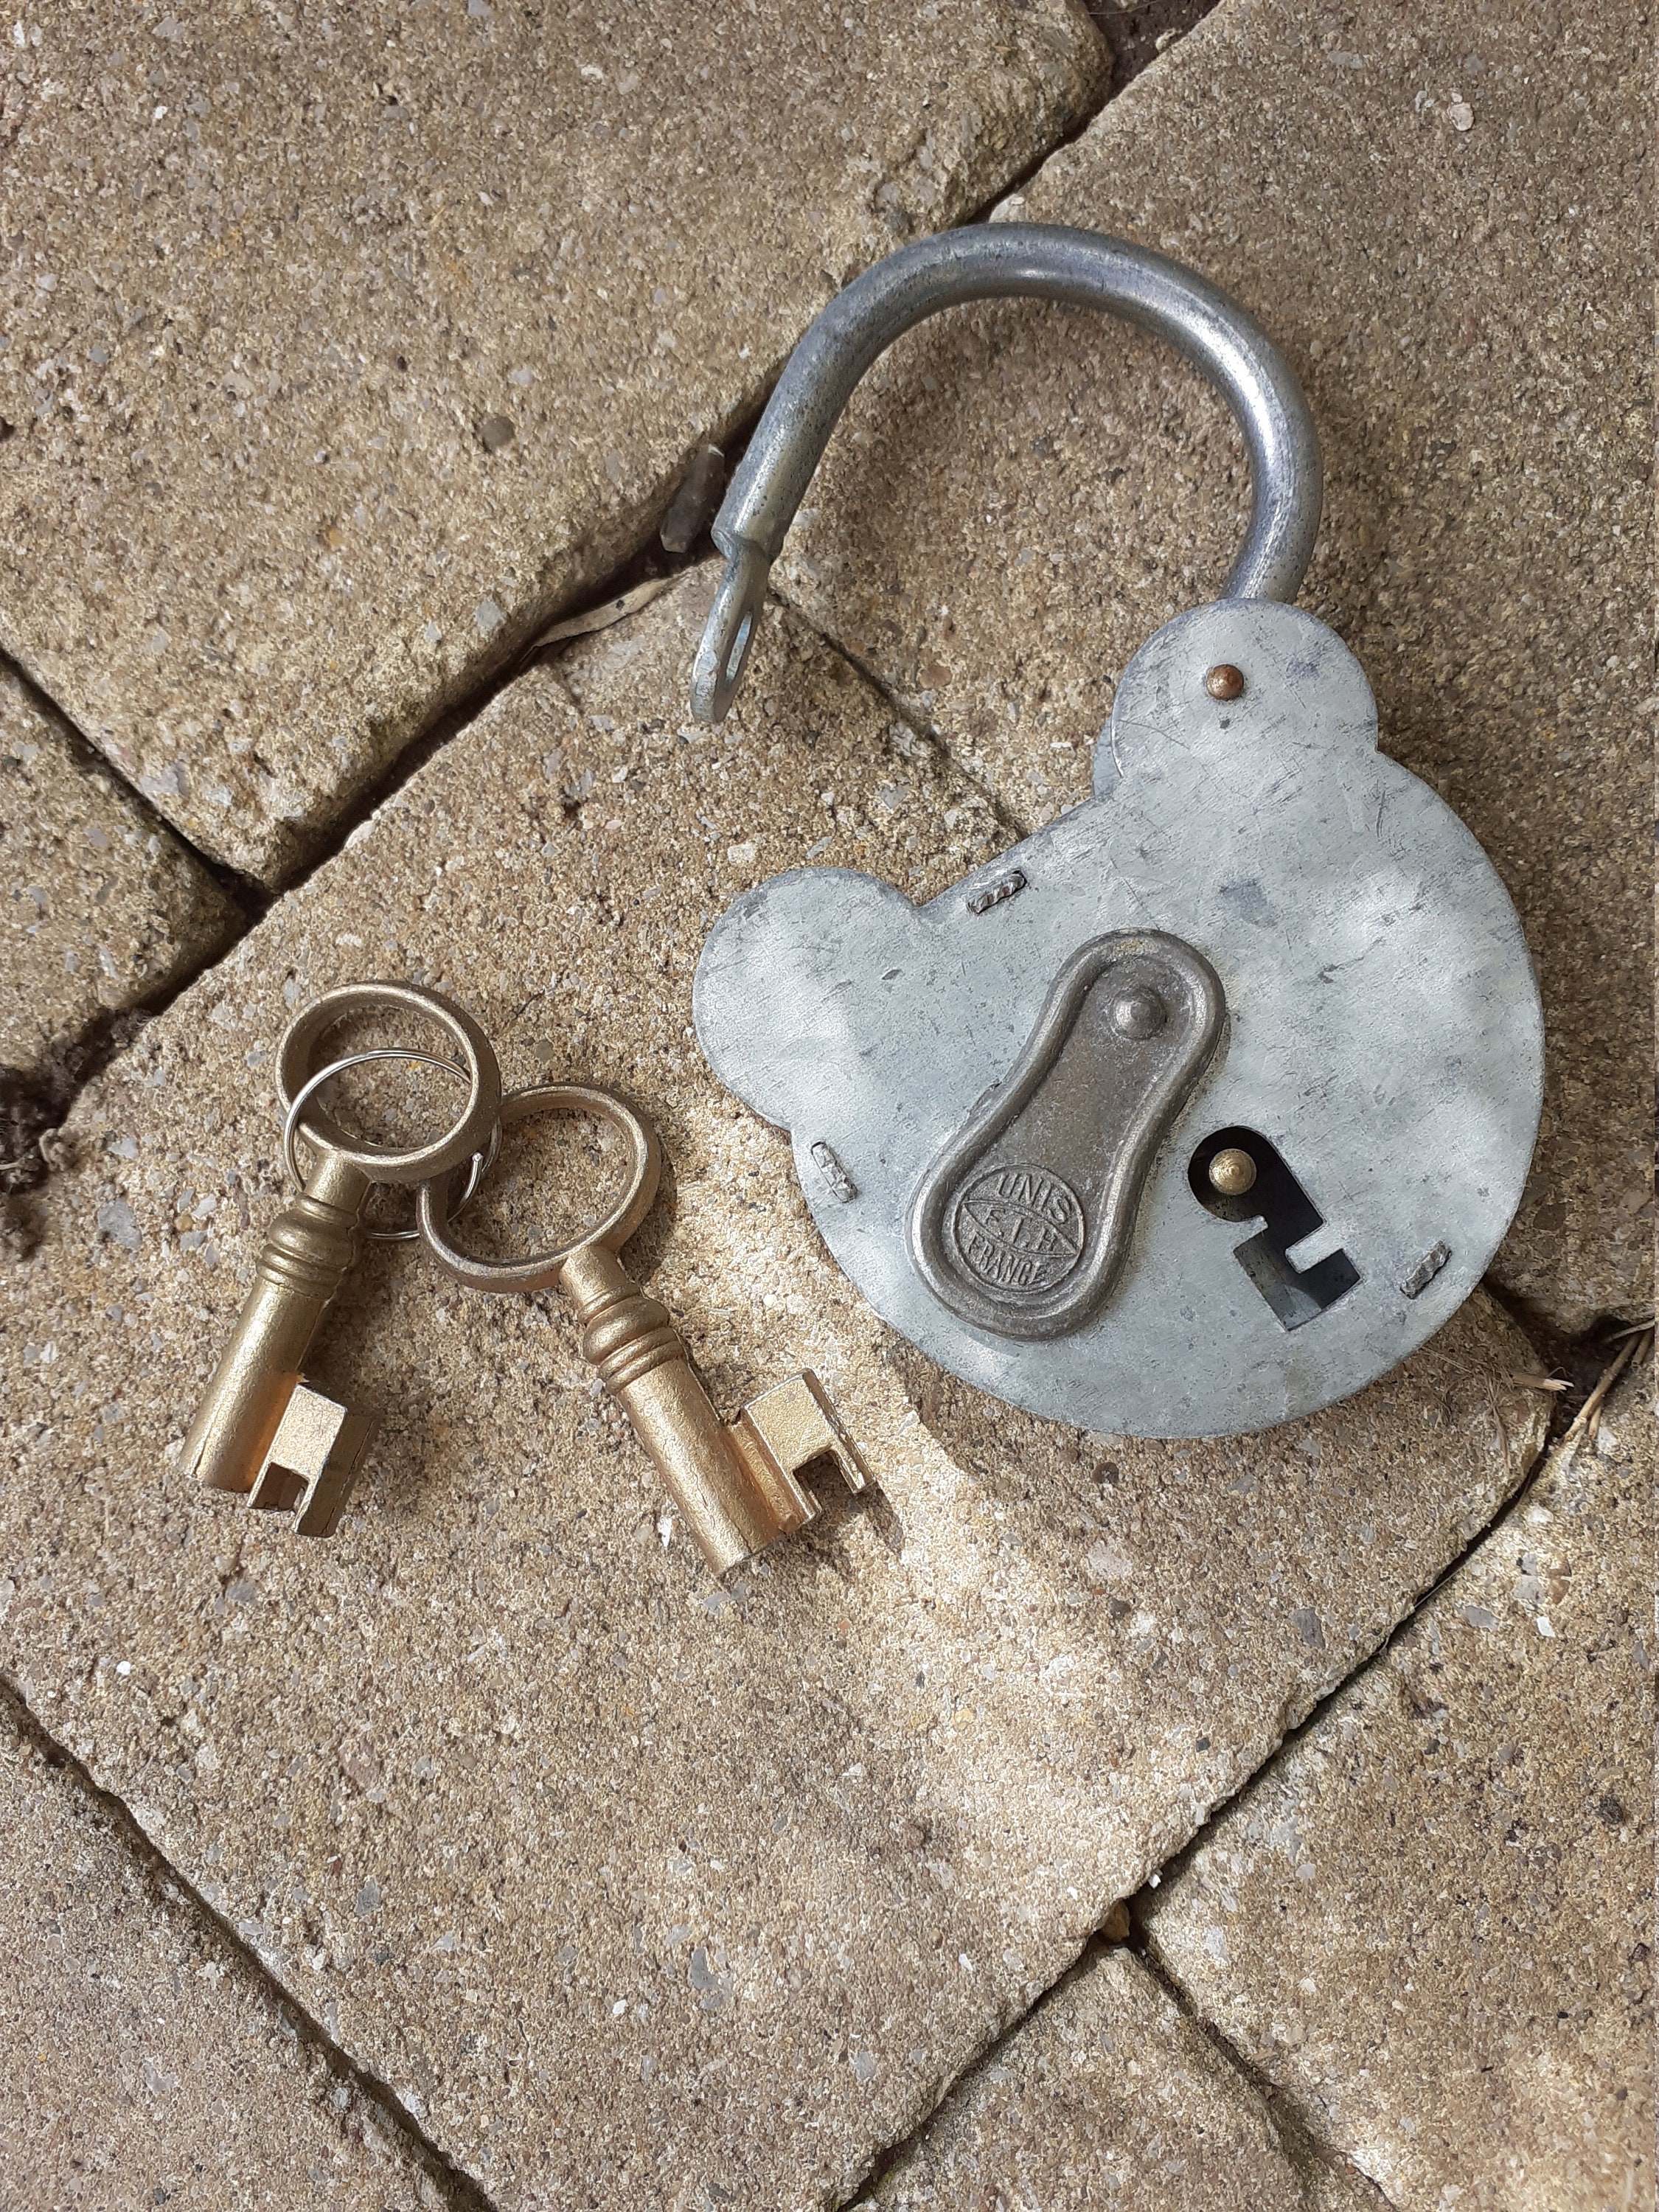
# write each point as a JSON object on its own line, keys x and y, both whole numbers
{"x": 991, "y": 261}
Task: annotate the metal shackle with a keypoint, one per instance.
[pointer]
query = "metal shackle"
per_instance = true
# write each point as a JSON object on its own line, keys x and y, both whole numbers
{"x": 991, "y": 261}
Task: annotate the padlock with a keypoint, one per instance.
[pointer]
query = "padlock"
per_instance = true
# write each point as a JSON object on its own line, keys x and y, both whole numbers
{"x": 1210, "y": 1101}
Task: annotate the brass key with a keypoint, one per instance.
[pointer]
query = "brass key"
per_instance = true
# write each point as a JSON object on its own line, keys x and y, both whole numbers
{"x": 261, "y": 1428}
{"x": 734, "y": 1482}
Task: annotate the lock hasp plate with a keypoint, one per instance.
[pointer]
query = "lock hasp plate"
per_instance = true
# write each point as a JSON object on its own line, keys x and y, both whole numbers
{"x": 1383, "y": 1040}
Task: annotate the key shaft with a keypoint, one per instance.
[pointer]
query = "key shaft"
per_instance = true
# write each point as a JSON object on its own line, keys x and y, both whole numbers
{"x": 308, "y": 1250}
{"x": 734, "y": 1483}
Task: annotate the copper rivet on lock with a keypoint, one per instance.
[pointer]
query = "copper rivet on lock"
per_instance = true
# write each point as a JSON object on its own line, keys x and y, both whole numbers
{"x": 1232, "y": 1172}
{"x": 1138, "y": 1014}
{"x": 1225, "y": 681}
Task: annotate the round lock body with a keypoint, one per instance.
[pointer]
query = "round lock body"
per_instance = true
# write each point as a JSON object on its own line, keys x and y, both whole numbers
{"x": 1211, "y": 1102}
{"x": 1199, "y": 1109}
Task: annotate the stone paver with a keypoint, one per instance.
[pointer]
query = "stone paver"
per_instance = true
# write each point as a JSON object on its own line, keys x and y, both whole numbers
{"x": 343, "y": 350}
{"x": 629, "y": 1886}
{"x": 102, "y": 908}
{"x": 1430, "y": 1922}
{"x": 142, "y": 2060}
{"x": 1442, "y": 217}
{"x": 1108, "y": 2097}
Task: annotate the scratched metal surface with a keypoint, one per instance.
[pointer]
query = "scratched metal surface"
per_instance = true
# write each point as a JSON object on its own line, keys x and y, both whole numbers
{"x": 1383, "y": 1031}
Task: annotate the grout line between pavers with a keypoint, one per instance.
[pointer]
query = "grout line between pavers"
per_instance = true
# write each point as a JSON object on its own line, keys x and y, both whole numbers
{"x": 1302, "y": 2145}
{"x": 731, "y": 438}
{"x": 109, "y": 1035}
{"x": 934, "y": 739}
{"x": 1316, "y": 1713}
{"x": 242, "y": 891}
{"x": 1099, "y": 1941}
{"x": 50, "y": 1092}
{"x": 463, "y": 2192}
{"x": 1258, "y": 1777}
{"x": 1062, "y": 139}
{"x": 961, "y": 2084}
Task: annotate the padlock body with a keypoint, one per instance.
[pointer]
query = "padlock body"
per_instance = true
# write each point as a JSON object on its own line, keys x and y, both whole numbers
{"x": 1382, "y": 1046}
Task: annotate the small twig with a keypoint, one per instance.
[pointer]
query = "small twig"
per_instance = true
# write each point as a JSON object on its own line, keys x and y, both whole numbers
{"x": 1536, "y": 1382}
{"x": 1587, "y": 1422}
{"x": 602, "y": 616}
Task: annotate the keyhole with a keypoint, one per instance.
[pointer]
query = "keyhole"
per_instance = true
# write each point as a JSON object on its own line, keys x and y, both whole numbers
{"x": 1274, "y": 1197}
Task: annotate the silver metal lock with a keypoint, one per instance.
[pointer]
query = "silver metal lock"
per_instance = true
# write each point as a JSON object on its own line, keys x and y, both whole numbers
{"x": 1210, "y": 1102}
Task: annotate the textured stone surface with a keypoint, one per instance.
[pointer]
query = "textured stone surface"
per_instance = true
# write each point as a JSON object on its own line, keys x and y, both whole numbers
{"x": 345, "y": 350}
{"x": 141, "y": 2059}
{"x": 1430, "y": 1922}
{"x": 102, "y": 907}
{"x": 1107, "y": 2096}
{"x": 1440, "y": 217}
{"x": 627, "y": 1884}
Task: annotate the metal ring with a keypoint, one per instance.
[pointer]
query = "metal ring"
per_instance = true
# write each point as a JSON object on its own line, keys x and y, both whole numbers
{"x": 481, "y": 1164}
{"x": 540, "y": 1271}
{"x": 990, "y": 261}
{"x": 417, "y": 1163}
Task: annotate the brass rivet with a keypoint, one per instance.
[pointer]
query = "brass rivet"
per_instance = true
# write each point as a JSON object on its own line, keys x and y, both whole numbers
{"x": 1225, "y": 681}
{"x": 1232, "y": 1172}
{"x": 1138, "y": 1014}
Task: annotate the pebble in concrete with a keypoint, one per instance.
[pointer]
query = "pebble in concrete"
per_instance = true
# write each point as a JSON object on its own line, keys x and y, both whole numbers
{"x": 1107, "y": 2096}
{"x": 346, "y": 349}
{"x": 1439, "y": 220}
{"x": 1428, "y": 1923}
{"x": 619, "y": 1878}
{"x": 103, "y": 907}
{"x": 141, "y": 2059}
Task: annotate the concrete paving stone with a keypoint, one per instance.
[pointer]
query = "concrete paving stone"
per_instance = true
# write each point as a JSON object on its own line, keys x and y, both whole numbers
{"x": 1442, "y": 218}
{"x": 103, "y": 907}
{"x": 1107, "y": 2096}
{"x": 341, "y": 351}
{"x": 637, "y": 1890}
{"x": 142, "y": 2061}
{"x": 1430, "y": 1922}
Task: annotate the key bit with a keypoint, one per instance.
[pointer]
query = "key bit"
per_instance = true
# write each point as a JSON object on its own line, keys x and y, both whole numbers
{"x": 735, "y": 1483}
{"x": 312, "y": 1460}
{"x": 786, "y": 1429}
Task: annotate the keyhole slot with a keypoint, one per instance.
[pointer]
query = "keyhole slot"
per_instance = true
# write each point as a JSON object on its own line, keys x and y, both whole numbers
{"x": 1275, "y": 1198}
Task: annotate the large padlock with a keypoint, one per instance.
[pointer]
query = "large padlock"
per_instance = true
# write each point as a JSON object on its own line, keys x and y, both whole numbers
{"x": 1210, "y": 1102}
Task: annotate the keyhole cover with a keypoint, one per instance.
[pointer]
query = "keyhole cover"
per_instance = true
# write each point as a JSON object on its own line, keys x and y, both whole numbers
{"x": 1023, "y": 1222}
